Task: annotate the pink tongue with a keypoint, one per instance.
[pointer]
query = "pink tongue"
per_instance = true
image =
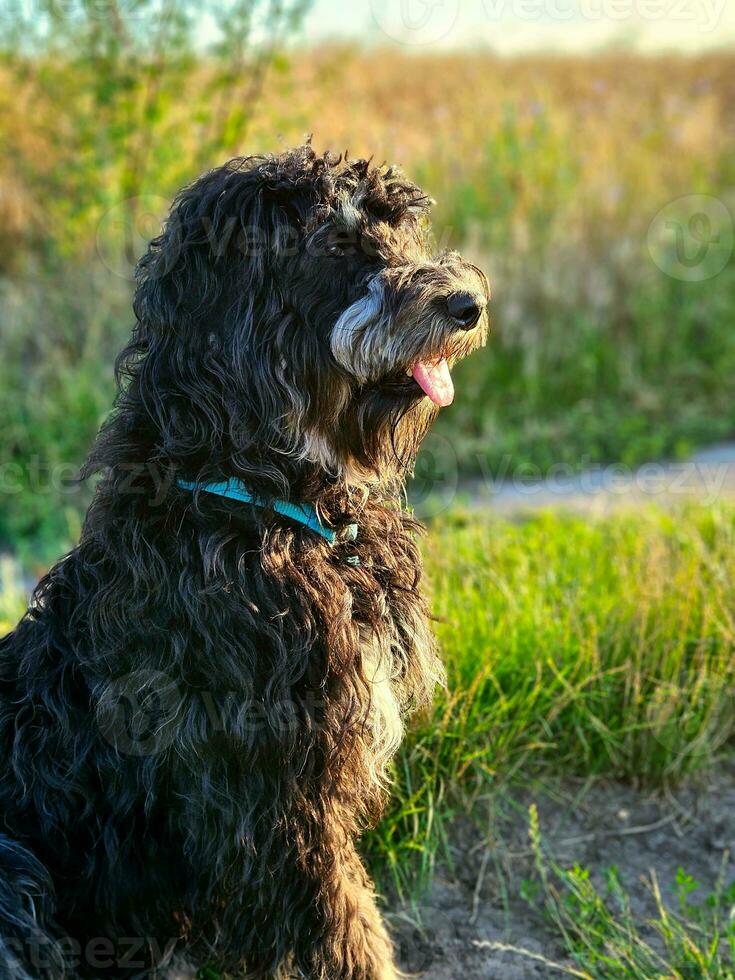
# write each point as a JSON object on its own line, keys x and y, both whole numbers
{"x": 435, "y": 380}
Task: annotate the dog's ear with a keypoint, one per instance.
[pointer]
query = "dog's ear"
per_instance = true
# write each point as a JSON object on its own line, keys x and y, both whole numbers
{"x": 212, "y": 253}
{"x": 214, "y": 334}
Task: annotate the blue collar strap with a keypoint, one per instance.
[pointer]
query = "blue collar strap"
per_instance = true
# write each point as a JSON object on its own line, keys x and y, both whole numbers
{"x": 236, "y": 490}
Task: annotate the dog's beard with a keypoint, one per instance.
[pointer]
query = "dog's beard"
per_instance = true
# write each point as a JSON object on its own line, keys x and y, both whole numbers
{"x": 375, "y": 342}
{"x": 376, "y": 439}
{"x": 393, "y": 347}
{"x": 404, "y": 343}
{"x": 400, "y": 354}
{"x": 387, "y": 430}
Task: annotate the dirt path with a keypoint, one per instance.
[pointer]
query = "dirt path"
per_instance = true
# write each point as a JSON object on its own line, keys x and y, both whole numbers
{"x": 707, "y": 477}
{"x": 476, "y": 910}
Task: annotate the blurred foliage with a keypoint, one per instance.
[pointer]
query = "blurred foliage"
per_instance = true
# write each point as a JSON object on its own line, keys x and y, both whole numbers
{"x": 548, "y": 172}
{"x": 95, "y": 110}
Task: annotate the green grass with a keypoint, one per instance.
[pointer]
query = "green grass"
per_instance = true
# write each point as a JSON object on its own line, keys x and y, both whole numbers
{"x": 573, "y": 647}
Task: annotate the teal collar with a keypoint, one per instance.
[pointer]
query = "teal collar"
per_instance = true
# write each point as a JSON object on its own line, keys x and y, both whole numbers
{"x": 236, "y": 490}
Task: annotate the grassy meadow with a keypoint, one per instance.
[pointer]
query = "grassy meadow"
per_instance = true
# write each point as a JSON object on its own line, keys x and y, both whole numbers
{"x": 575, "y": 647}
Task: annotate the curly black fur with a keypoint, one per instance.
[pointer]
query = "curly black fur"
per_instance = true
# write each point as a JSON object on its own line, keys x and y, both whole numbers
{"x": 198, "y": 709}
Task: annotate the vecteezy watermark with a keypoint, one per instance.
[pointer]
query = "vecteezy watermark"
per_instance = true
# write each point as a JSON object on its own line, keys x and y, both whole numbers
{"x": 415, "y": 21}
{"x": 44, "y": 954}
{"x": 125, "y": 230}
{"x": 691, "y": 238}
{"x": 39, "y": 477}
{"x": 512, "y": 486}
{"x": 140, "y": 713}
{"x": 436, "y": 484}
{"x": 150, "y": 479}
{"x": 422, "y": 22}
{"x": 704, "y": 15}
{"x": 143, "y": 713}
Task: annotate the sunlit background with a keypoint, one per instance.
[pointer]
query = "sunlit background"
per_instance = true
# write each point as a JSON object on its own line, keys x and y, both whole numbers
{"x": 583, "y": 152}
{"x": 529, "y": 26}
{"x": 595, "y": 187}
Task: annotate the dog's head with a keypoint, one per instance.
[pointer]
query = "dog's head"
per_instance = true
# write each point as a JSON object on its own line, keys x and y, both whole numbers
{"x": 299, "y": 317}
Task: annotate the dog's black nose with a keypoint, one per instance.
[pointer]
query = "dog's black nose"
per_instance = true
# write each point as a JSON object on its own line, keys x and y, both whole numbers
{"x": 465, "y": 308}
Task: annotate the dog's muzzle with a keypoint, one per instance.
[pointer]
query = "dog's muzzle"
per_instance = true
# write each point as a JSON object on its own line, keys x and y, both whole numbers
{"x": 409, "y": 322}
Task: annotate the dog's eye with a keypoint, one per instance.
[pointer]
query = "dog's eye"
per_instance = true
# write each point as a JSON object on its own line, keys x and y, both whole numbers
{"x": 335, "y": 250}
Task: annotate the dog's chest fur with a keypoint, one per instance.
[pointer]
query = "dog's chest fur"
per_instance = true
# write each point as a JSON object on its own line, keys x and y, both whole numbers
{"x": 342, "y": 648}
{"x": 280, "y": 672}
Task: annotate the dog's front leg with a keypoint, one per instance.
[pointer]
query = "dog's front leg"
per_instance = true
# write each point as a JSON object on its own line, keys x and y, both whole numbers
{"x": 354, "y": 943}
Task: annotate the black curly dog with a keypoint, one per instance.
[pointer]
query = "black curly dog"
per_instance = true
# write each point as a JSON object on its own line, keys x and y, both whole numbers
{"x": 199, "y": 708}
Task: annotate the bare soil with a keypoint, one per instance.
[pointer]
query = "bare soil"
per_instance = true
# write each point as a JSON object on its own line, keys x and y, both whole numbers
{"x": 476, "y": 926}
